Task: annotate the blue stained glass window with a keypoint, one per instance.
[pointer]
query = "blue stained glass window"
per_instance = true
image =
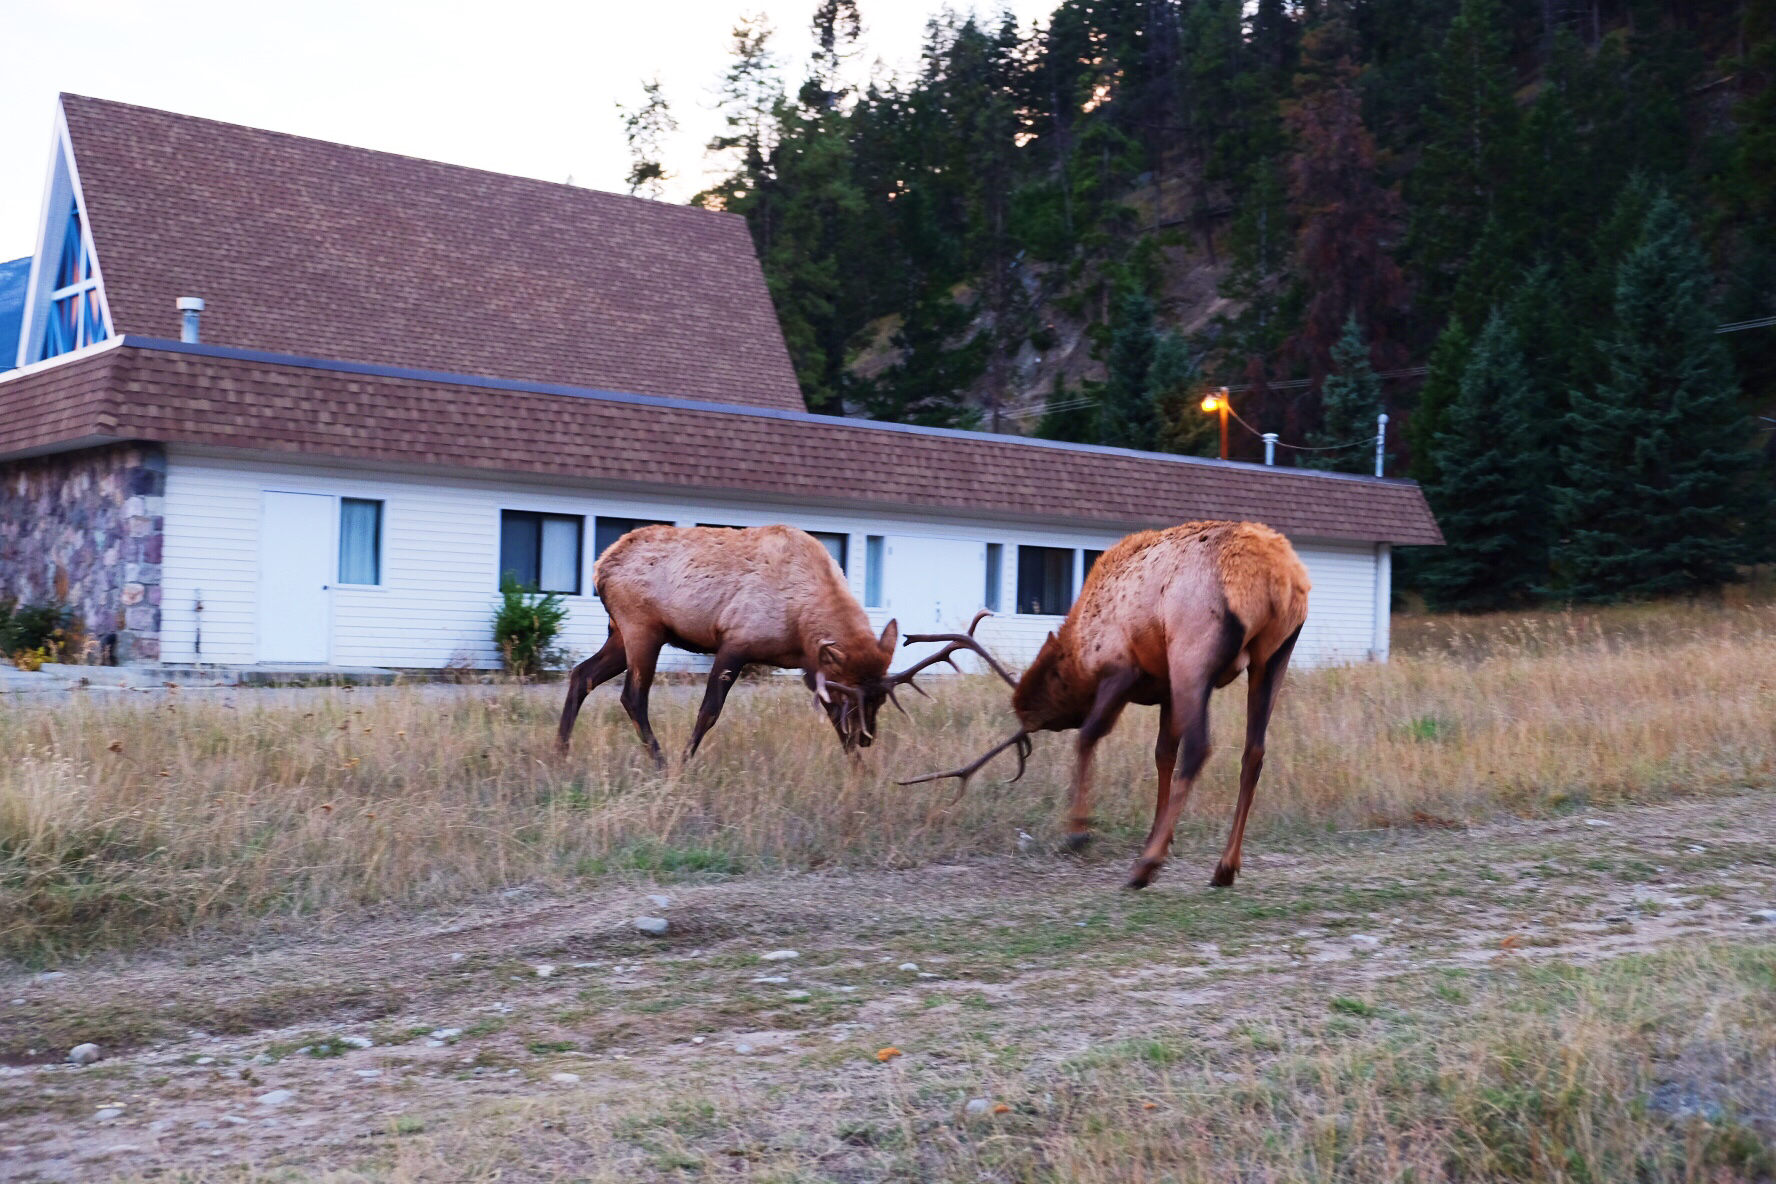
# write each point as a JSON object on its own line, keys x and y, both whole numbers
{"x": 75, "y": 316}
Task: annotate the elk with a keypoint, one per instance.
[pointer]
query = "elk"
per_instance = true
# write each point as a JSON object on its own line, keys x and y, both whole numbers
{"x": 769, "y": 595}
{"x": 1166, "y": 617}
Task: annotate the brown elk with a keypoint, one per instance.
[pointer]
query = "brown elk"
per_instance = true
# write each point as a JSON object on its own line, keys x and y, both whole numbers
{"x": 769, "y": 595}
{"x": 1166, "y": 617}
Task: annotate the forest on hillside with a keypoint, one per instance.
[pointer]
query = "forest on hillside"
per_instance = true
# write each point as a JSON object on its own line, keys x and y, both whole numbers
{"x": 1517, "y": 226}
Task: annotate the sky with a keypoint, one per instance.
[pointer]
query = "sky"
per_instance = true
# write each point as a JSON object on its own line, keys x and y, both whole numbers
{"x": 518, "y": 86}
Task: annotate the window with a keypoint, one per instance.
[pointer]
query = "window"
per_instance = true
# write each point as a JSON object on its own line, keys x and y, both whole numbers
{"x": 995, "y": 574}
{"x": 360, "y": 541}
{"x": 873, "y": 548}
{"x": 609, "y": 530}
{"x": 837, "y": 545}
{"x": 1045, "y": 580}
{"x": 541, "y": 551}
{"x": 716, "y": 526}
{"x": 75, "y": 318}
{"x": 1091, "y": 560}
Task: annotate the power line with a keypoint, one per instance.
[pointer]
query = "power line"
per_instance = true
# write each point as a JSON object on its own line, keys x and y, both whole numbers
{"x": 1759, "y": 323}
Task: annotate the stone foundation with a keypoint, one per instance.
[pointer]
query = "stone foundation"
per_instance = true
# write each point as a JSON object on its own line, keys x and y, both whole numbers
{"x": 86, "y": 528}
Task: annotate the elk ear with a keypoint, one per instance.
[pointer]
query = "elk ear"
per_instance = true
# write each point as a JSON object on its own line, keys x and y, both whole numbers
{"x": 890, "y": 635}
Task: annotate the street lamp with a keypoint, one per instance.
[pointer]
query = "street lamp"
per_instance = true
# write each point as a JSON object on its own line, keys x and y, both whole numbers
{"x": 1217, "y": 401}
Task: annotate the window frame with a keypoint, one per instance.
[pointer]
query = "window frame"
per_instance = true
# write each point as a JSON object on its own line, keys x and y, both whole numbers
{"x": 538, "y": 517}
{"x": 81, "y": 297}
{"x": 1068, "y": 554}
{"x": 598, "y": 549}
{"x": 995, "y": 589}
{"x": 376, "y": 542}
{"x": 875, "y": 558}
{"x": 843, "y": 558}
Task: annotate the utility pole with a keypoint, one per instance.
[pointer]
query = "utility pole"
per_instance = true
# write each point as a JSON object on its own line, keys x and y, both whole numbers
{"x": 1212, "y": 403}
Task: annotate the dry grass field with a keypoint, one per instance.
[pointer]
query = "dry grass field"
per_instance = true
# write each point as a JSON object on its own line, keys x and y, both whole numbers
{"x": 1494, "y": 926}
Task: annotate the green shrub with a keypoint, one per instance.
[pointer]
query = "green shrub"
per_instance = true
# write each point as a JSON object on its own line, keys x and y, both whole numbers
{"x": 38, "y": 633}
{"x": 525, "y": 626}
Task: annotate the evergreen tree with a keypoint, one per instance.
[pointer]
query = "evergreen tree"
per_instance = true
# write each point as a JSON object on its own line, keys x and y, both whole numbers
{"x": 1176, "y": 389}
{"x": 1442, "y": 384}
{"x": 1350, "y": 401}
{"x": 1128, "y": 417}
{"x": 939, "y": 359}
{"x": 1069, "y": 415}
{"x": 1489, "y": 490}
{"x": 1467, "y": 150}
{"x": 1658, "y": 493}
{"x": 645, "y": 129}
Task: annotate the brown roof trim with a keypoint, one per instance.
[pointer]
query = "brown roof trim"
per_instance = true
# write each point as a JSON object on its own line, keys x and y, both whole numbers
{"x": 220, "y": 397}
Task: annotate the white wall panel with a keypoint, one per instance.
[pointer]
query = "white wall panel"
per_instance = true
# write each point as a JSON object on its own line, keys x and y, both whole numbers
{"x": 441, "y": 548}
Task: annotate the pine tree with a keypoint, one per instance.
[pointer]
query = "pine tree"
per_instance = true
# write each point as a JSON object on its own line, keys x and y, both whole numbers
{"x": 1489, "y": 490}
{"x": 1176, "y": 390}
{"x": 1449, "y": 358}
{"x": 645, "y": 129}
{"x": 1350, "y": 402}
{"x": 1069, "y": 415}
{"x": 1127, "y": 414}
{"x": 1658, "y": 494}
{"x": 1466, "y": 157}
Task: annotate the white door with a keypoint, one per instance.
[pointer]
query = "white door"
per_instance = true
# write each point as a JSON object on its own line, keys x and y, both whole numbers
{"x": 296, "y": 561}
{"x": 933, "y": 586}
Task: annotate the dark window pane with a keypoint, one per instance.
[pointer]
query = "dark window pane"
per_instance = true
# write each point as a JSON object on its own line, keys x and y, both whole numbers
{"x": 521, "y": 546}
{"x": 360, "y": 541}
{"x": 609, "y": 530}
{"x": 1045, "y": 580}
{"x": 837, "y": 545}
{"x": 1091, "y": 559}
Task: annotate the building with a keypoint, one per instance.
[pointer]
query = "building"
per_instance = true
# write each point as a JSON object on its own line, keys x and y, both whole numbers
{"x": 407, "y": 378}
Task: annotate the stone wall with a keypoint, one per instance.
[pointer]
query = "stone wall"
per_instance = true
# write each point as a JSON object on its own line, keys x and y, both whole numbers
{"x": 86, "y": 528}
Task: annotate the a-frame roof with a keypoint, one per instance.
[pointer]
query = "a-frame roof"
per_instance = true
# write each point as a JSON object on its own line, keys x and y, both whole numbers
{"x": 314, "y": 249}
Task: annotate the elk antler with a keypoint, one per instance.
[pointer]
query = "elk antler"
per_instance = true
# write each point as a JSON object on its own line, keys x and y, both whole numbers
{"x": 1019, "y": 738}
{"x": 823, "y": 685}
{"x": 957, "y": 641}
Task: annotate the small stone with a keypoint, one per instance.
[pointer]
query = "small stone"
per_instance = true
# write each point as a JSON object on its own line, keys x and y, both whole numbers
{"x": 779, "y": 956}
{"x": 50, "y": 976}
{"x": 107, "y": 1113}
{"x": 659, "y": 899}
{"x": 434, "y": 1044}
{"x": 564, "y": 1078}
{"x": 204, "y": 1061}
{"x": 910, "y": 967}
{"x": 744, "y": 1049}
{"x": 796, "y": 995}
{"x": 544, "y": 970}
{"x": 697, "y": 1039}
{"x": 234, "y": 1120}
{"x": 18, "y": 1002}
{"x": 277, "y": 1097}
{"x": 1697, "y": 848}
{"x": 1763, "y": 917}
{"x": 446, "y": 1033}
{"x": 357, "y": 1042}
{"x": 771, "y": 978}
{"x": 653, "y": 926}
{"x": 1595, "y": 822}
{"x": 978, "y": 1107}
{"x": 927, "y": 974}
{"x": 458, "y": 957}
{"x": 83, "y": 1054}
{"x": 368, "y": 1073}
{"x": 1364, "y": 940}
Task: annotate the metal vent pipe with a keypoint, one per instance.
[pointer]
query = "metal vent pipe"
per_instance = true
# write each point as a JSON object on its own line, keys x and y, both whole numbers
{"x": 190, "y": 312}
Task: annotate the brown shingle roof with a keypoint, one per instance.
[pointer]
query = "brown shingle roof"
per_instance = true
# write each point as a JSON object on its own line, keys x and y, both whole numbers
{"x": 214, "y": 397}
{"x": 320, "y": 250}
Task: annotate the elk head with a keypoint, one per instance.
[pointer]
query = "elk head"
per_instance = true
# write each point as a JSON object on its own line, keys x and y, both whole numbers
{"x": 1045, "y": 700}
{"x": 852, "y": 706}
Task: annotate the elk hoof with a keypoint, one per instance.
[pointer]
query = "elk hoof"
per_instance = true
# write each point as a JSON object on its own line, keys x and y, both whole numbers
{"x": 1143, "y": 873}
{"x": 1079, "y": 840}
{"x": 1223, "y": 877}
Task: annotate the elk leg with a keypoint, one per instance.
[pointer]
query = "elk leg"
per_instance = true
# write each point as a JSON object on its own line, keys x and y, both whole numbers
{"x": 1106, "y": 708}
{"x": 722, "y": 677}
{"x": 1165, "y": 759}
{"x": 1191, "y": 704}
{"x": 600, "y": 668}
{"x": 643, "y": 657}
{"x": 1261, "y": 692}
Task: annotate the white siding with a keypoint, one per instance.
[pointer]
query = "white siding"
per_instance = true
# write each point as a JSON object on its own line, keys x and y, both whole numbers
{"x": 441, "y": 548}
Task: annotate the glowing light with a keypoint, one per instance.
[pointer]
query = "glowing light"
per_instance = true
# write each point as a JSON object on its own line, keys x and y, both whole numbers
{"x": 1211, "y": 404}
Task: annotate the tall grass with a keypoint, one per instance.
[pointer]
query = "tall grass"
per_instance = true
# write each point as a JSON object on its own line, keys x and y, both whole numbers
{"x": 124, "y": 819}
